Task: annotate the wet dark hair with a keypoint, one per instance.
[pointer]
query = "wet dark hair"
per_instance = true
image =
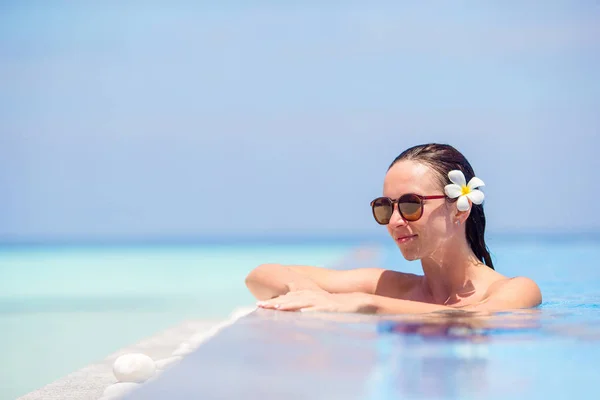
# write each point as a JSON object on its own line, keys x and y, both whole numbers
{"x": 443, "y": 158}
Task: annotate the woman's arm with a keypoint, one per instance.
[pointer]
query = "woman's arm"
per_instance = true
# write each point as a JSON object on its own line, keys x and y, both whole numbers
{"x": 509, "y": 294}
{"x": 271, "y": 280}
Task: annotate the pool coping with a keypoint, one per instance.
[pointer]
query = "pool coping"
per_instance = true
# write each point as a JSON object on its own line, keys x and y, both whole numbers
{"x": 92, "y": 381}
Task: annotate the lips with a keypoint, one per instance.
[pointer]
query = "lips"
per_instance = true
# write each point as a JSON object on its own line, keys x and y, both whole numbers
{"x": 405, "y": 238}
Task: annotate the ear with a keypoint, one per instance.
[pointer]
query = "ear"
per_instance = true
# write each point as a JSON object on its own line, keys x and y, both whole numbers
{"x": 460, "y": 217}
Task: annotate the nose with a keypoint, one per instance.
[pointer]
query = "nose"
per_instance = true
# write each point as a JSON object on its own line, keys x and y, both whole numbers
{"x": 396, "y": 219}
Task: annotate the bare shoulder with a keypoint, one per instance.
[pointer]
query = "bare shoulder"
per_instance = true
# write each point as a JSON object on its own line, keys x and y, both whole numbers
{"x": 382, "y": 282}
{"x": 519, "y": 283}
{"x": 517, "y": 292}
{"x": 396, "y": 284}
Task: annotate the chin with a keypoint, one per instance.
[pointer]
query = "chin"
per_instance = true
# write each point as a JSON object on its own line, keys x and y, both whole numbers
{"x": 409, "y": 255}
{"x": 412, "y": 257}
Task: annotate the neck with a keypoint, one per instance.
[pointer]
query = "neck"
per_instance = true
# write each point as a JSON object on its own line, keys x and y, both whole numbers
{"x": 450, "y": 272}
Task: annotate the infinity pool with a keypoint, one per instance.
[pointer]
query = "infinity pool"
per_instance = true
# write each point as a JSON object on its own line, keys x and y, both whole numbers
{"x": 548, "y": 352}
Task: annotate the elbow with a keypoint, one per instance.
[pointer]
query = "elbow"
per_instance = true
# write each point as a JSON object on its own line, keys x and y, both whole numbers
{"x": 250, "y": 278}
{"x": 255, "y": 275}
{"x": 257, "y": 282}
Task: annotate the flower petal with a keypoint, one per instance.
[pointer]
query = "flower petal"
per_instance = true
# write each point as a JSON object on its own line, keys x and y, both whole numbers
{"x": 463, "y": 203}
{"x": 475, "y": 183}
{"x": 452, "y": 190}
{"x": 476, "y": 196}
{"x": 456, "y": 176}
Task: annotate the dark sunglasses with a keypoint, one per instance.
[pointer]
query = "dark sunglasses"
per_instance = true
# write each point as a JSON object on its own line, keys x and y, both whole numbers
{"x": 410, "y": 207}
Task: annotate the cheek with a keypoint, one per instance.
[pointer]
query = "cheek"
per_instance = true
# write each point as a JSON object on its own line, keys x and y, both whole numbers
{"x": 434, "y": 225}
{"x": 389, "y": 229}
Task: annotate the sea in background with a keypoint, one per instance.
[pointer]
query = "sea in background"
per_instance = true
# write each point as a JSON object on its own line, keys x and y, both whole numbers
{"x": 65, "y": 306}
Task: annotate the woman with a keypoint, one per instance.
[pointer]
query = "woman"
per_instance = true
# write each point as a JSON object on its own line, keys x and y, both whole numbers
{"x": 434, "y": 216}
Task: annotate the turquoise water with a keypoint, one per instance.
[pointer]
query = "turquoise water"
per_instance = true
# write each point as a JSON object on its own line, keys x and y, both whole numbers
{"x": 63, "y": 307}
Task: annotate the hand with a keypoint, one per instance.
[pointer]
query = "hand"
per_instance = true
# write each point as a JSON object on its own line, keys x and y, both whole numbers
{"x": 320, "y": 300}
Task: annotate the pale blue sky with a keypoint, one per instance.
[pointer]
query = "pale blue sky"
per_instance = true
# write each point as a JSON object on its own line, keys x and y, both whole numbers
{"x": 126, "y": 121}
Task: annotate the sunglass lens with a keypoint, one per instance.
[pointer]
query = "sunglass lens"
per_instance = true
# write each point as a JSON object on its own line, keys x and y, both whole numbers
{"x": 383, "y": 209}
{"x": 410, "y": 207}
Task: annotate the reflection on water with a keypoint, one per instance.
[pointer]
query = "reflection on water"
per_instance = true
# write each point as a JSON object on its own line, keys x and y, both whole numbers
{"x": 475, "y": 355}
{"x": 452, "y": 355}
{"x": 438, "y": 355}
{"x": 450, "y": 372}
{"x": 463, "y": 326}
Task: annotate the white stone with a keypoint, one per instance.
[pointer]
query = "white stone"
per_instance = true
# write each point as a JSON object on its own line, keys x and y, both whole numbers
{"x": 119, "y": 389}
{"x": 167, "y": 362}
{"x": 134, "y": 367}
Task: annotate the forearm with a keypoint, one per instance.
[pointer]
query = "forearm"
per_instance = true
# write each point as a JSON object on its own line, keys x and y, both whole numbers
{"x": 271, "y": 280}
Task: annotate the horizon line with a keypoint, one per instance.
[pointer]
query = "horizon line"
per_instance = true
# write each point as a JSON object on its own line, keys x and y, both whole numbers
{"x": 274, "y": 238}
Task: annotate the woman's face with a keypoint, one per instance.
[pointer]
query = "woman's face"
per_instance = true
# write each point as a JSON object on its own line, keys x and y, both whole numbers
{"x": 418, "y": 239}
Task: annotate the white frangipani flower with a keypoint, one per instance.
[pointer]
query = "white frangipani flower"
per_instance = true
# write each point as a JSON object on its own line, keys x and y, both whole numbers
{"x": 463, "y": 190}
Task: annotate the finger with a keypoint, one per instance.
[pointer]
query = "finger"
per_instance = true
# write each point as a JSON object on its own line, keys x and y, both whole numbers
{"x": 263, "y": 304}
{"x": 292, "y": 300}
{"x": 291, "y": 296}
{"x": 281, "y": 301}
{"x": 294, "y": 305}
{"x": 287, "y": 304}
{"x": 270, "y": 303}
